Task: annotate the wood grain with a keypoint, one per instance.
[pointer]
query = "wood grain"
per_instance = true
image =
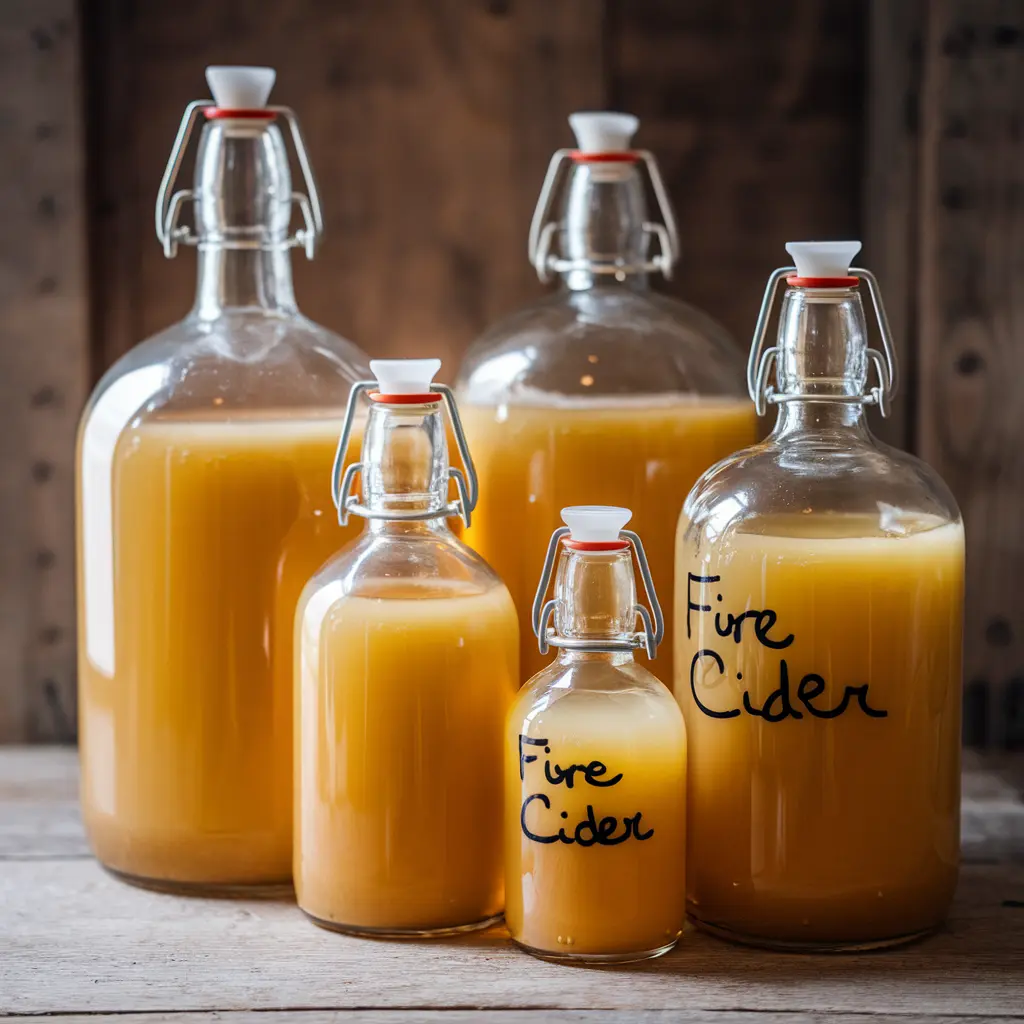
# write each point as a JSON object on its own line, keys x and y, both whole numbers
{"x": 75, "y": 940}
{"x": 429, "y": 126}
{"x": 892, "y": 146}
{"x": 971, "y": 340}
{"x": 43, "y": 362}
{"x": 754, "y": 112}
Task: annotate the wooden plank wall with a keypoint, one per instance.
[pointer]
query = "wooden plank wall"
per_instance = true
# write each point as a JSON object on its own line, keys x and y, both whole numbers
{"x": 43, "y": 362}
{"x": 944, "y": 193}
{"x": 430, "y": 126}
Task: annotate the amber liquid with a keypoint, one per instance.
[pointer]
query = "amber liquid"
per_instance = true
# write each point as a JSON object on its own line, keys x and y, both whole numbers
{"x": 195, "y": 540}
{"x": 402, "y": 696}
{"x": 615, "y": 901}
{"x": 826, "y": 816}
{"x": 644, "y": 454}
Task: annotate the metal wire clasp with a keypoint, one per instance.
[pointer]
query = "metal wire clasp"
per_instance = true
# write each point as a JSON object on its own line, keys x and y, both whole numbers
{"x": 169, "y": 203}
{"x": 343, "y": 478}
{"x": 759, "y": 364}
{"x": 542, "y": 230}
{"x": 654, "y": 621}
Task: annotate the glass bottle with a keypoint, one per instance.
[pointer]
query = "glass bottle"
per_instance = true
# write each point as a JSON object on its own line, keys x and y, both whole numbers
{"x": 595, "y": 763}
{"x": 818, "y": 647}
{"x": 407, "y": 659}
{"x": 602, "y": 390}
{"x": 203, "y": 508}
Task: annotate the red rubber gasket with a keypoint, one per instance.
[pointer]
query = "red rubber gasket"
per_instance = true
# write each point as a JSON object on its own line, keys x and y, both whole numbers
{"x": 430, "y": 396}
{"x": 822, "y": 282}
{"x": 215, "y": 113}
{"x": 614, "y": 157}
{"x": 596, "y": 545}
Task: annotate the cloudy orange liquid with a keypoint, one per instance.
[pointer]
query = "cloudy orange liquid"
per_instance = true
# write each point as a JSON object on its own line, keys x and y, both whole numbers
{"x": 402, "y": 695}
{"x": 195, "y": 539}
{"x": 572, "y": 900}
{"x": 640, "y": 453}
{"x": 838, "y": 830}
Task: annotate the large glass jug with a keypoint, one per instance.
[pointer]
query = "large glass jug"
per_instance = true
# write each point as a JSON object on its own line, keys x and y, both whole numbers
{"x": 818, "y": 647}
{"x": 407, "y": 659}
{"x": 203, "y": 508}
{"x": 603, "y": 391}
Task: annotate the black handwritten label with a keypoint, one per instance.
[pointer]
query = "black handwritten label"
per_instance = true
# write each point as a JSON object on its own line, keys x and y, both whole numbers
{"x": 539, "y": 824}
{"x": 780, "y": 703}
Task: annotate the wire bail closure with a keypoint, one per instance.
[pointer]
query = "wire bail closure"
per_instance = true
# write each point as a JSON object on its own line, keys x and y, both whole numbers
{"x": 759, "y": 364}
{"x": 343, "y": 478}
{"x": 542, "y": 230}
{"x": 169, "y": 203}
{"x": 654, "y": 624}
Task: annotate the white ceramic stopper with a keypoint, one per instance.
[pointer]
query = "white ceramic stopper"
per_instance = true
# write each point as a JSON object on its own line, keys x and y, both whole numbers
{"x": 603, "y": 131}
{"x": 823, "y": 259}
{"x": 240, "y": 88}
{"x": 595, "y": 523}
{"x": 404, "y": 376}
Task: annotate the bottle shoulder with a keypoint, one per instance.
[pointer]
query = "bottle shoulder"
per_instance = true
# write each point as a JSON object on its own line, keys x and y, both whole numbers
{"x": 417, "y": 565}
{"x": 828, "y": 483}
{"x": 248, "y": 361}
{"x": 597, "y": 683}
{"x": 611, "y": 341}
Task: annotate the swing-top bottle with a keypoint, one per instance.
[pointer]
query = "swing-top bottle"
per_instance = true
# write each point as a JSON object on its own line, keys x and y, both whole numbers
{"x": 203, "y": 508}
{"x": 604, "y": 390}
{"x": 595, "y": 762}
{"x": 818, "y": 646}
{"x": 407, "y": 658}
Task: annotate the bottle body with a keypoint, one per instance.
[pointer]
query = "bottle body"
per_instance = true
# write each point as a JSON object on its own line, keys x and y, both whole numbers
{"x": 402, "y": 693}
{"x": 204, "y": 504}
{"x": 613, "y": 889}
{"x": 407, "y": 659}
{"x": 818, "y": 632}
{"x": 826, "y": 811}
{"x": 595, "y": 765}
{"x": 196, "y": 537}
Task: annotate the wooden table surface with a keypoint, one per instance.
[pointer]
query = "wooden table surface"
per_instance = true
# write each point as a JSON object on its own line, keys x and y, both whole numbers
{"x": 75, "y": 944}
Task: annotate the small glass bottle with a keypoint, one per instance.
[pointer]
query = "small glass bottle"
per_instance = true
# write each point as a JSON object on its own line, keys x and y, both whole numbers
{"x": 595, "y": 763}
{"x": 818, "y": 647}
{"x": 407, "y": 659}
{"x": 604, "y": 389}
{"x": 202, "y": 511}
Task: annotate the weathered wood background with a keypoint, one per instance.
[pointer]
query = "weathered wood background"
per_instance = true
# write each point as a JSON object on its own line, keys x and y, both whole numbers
{"x": 430, "y": 125}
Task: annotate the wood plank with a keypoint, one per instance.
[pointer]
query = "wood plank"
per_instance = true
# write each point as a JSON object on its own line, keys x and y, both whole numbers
{"x": 39, "y": 815}
{"x": 754, "y": 112}
{"x": 895, "y": 31}
{"x": 43, "y": 362}
{"x": 84, "y": 942}
{"x": 429, "y": 125}
{"x": 399, "y": 1016}
{"x": 971, "y": 411}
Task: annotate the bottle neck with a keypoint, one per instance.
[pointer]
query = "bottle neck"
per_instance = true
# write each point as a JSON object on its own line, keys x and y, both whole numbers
{"x": 254, "y": 280}
{"x": 603, "y": 224}
{"x": 405, "y": 466}
{"x": 242, "y": 214}
{"x": 822, "y": 356}
{"x": 595, "y": 598}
